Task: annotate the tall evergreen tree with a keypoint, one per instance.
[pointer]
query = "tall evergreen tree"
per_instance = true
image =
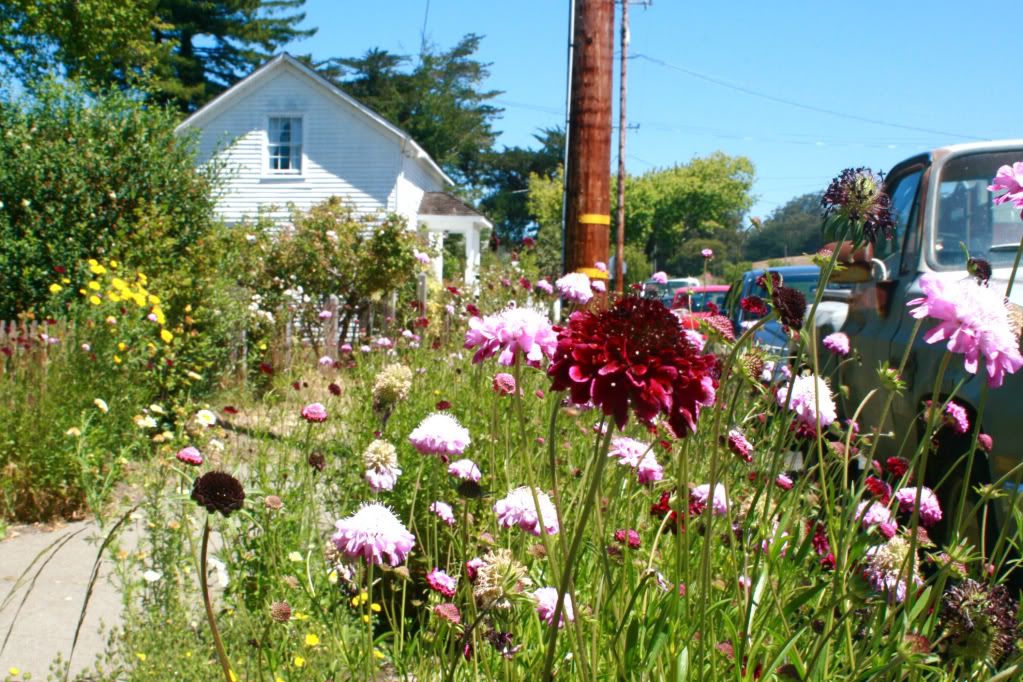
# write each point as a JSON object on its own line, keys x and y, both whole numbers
{"x": 439, "y": 100}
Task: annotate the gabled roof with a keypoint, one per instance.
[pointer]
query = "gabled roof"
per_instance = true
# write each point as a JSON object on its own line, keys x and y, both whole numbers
{"x": 284, "y": 60}
{"x": 442, "y": 203}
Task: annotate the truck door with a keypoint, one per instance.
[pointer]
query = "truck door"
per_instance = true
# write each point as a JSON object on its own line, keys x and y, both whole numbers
{"x": 878, "y": 308}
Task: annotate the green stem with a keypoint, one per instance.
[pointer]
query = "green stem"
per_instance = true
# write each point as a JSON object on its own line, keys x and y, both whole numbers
{"x": 221, "y": 654}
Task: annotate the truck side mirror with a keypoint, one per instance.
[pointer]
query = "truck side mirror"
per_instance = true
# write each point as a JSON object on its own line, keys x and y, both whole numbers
{"x": 857, "y": 266}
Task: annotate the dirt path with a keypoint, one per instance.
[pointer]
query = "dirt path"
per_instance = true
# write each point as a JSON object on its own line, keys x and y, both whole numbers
{"x": 46, "y": 624}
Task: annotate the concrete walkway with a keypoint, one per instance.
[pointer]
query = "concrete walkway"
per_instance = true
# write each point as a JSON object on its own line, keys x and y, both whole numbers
{"x": 46, "y": 623}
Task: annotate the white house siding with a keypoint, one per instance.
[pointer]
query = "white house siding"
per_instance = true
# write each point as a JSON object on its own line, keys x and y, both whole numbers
{"x": 413, "y": 182}
{"x": 344, "y": 153}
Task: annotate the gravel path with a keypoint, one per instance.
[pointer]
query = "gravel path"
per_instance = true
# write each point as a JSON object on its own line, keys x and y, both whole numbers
{"x": 46, "y": 624}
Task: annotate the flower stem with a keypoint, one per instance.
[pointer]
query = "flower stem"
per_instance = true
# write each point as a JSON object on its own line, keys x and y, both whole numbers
{"x": 221, "y": 654}
{"x": 566, "y": 572}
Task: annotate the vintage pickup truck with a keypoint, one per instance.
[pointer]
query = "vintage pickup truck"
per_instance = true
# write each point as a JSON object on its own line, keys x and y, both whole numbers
{"x": 940, "y": 202}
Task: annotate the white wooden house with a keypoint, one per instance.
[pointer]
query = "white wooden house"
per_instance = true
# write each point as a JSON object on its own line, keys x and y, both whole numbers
{"x": 286, "y": 135}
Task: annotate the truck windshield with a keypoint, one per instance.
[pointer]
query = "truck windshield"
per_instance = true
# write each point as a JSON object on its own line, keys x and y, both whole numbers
{"x": 967, "y": 216}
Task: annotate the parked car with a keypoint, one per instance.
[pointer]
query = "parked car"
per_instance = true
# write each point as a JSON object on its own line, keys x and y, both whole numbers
{"x": 665, "y": 293}
{"x": 939, "y": 201}
{"x": 700, "y": 301}
{"x": 771, "y": 336}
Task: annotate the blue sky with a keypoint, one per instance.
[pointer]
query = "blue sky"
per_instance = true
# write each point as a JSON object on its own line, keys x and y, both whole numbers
{"x": 924, "y": 74}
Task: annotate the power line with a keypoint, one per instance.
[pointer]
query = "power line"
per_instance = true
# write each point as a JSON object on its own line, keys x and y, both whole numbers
{"x": 799, "y": 105}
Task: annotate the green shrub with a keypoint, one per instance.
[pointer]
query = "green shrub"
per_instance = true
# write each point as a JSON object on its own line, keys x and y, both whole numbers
{"x": 92, "y": 177}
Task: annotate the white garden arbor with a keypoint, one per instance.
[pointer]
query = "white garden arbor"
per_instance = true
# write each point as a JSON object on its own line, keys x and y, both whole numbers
{"x": 441, "y": 214}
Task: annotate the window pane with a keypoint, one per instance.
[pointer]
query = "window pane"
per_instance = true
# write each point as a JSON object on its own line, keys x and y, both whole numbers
{"x": 284, "y": 137}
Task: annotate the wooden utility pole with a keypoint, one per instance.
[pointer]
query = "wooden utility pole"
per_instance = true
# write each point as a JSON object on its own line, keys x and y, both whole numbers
{"x": 620, "y": 236}
{"x": 587, "y": 178}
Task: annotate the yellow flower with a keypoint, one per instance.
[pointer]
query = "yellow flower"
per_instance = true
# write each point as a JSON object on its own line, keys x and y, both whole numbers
{"x": 93, "y": 261}
{"x": 117, "y": 359}
{"x": 101, "y": 405}
{"x": 114, "y": 296}
{"x": 94, "y": 299}
{"x": 188, "y": 308}
{"x": 312, "y": 640}
{"x": 83, "y": 292}
{"x": 234, "y": 678}
{"x": 65, "y": 280}
{"x": 364, "y": 597}
{"x": 298, "y": 615}
{"x": 94, "y": 285}
{"x": 74, "y": 432}
{"x": 295, "y": 556}
{"x": 262, "y": 346}
{"x": 121, "y": 346}
{"x": 365, "y": 619}
{"x": 118, "y": 284}
{"x": 141, "y": 656}
{"x": 299, "y": 662}
{"x": 114, "y": 264}
{"x": 374, "y": 607}
{"x": 194, "y": 376}
{"x": 154, "y": 300}
{"x": 13, "y": 671}
{"x": 166, "y": 336}
{"x": 97, "y": 269}
{"x": 142, "y": 278}
{"x": 332, "y": 577}
{"x": 377, "y": 653}
{"x": 55, "y": 288}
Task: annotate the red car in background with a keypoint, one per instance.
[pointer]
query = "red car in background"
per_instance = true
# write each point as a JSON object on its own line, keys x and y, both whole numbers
{"x": 700, "y": 301}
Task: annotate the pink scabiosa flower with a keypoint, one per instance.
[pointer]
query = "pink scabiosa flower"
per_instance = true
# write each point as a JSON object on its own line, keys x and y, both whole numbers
{"x": 974, "y": 320}
{"x": 695, "y": 338}
{"x": 873, "y": 513}
{"x": 739, "y": 445}
{"x": 600, "y": 265}
{"x": 346, "y": 348}
{"x": 375, "y": 534}
{"x": 190, "y": 456}
{"x": 700, "y": 496}
{"x": 504, "y": 384}
{"x": 444, "y": 512}
{"x": 382, "y": 470}
{"x": 707, "y": 253}
{"x": 598, "y": 285}
{"x": 544, "y": 286}
{"x": 439, "y": 581}
{"x": 326, "y": 362}
{"x": 633, "y": 356}
{"x": 511, "y": 332}
{"x": 472, "y": 566}
{"x": 1010, "y": 179}
{"x": 649, "y": 470}
{"x": 930, "y": 508}
{"x": 958, "y": 416}
{"x": 440, "y": 434}
{"x": 837, "y": 343}
{"x": 546, "y": 604}
{"x": 465, "y": 470}
{"x": 314, "y": 413}
{"x": 809, "y": 393}
{"x": 423, "y": 258}
{"x": 628, "y": 451}
{"x": 659, "y": 277}
{"x": 326, "y": 314}
{"x": 887, "y": 566}
{"x": 783, "y": 482}
{"x": 575, "y": 288}
{"x": 519, "y": 509}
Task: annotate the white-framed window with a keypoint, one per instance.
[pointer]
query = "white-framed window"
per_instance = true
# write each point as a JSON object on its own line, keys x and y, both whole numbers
{"x": 284, "y": 144}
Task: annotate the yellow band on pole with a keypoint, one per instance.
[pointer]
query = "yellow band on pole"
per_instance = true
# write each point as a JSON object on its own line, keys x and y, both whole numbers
{"x": 595, "y": 219}
{"x": 593, "y": 273}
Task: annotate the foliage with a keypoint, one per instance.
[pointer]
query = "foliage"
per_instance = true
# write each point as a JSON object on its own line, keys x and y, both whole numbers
{"x": 183, "y": 52}
{"x": 508, "y": 174}
{"x": 665, "y": 207}
{"x": 329, "y": 250}
{"x": 102, "y": 177}
{"x": 440, "y": 101}
{"x": 790, "y": 230}
{"x": 544, "y": 204}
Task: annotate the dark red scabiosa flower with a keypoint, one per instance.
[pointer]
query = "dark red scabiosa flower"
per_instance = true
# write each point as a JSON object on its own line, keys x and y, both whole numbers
{"x": 979, "y": 269}
{"x": 879, "y": 489}
{"x": 634, "y": 355}
{"x": 317, "y": 461}
{"x": 525, "y": 283}
{"x": 662, "y": 508}
{"x": 443, "y": 405}
{"x": 636, "y": 286}
{"x": 819, "y": 541}
{"x": 454, "y": 291}
{"x": 791, "y": 306}
{"x": 528, "y": 242}
{"x": 754, "y": 305}
{"x": 218, "y": 491}
{"x": 60, "y": 269}
{"x": 473, "y": 310}
{"x": 266, "y": 368}
{"x": 776, "y": 280}
{"x": 857, "y": 195}
{"x": 897, "y": 466}
{"x": 334, "y": 389}
{"x": 978, "y": 622}
{"x": 230, "y": 409}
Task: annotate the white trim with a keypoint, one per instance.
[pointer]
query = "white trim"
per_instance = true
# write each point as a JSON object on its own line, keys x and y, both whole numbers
{"x": 244, "y": 85}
